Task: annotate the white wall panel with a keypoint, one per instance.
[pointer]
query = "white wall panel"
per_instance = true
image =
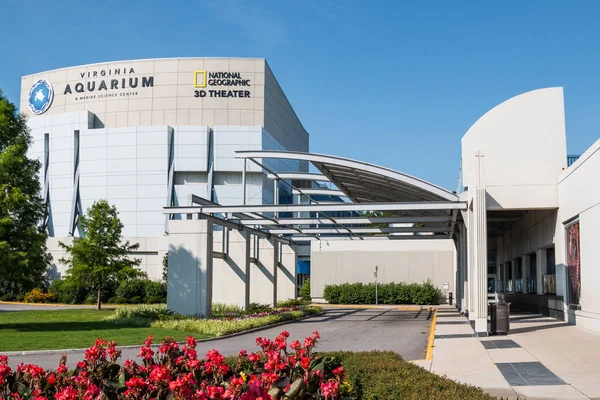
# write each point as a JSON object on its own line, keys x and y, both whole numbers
{"x": 121, "y": 152}
{"x": 121, "y": 165}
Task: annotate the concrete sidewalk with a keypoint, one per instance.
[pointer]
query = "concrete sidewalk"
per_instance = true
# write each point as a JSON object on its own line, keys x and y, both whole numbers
{"x": 542, "y": 358}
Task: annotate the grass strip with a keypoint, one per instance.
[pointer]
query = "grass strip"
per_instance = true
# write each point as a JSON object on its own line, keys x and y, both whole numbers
{"x": 216, "y": 327}
{"x": 73, "y": 328}
{"x": 385, "y": 375}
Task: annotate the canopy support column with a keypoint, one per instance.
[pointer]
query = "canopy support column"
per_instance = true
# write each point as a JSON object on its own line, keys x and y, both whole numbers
{"x": 275, "y": 269}
{"x": 247, "y": 273}
{"x": 190, "y": 277}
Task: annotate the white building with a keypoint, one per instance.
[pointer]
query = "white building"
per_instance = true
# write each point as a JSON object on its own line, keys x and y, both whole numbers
{"x": 532, "y": 225}
{"x": 146, "y": 134}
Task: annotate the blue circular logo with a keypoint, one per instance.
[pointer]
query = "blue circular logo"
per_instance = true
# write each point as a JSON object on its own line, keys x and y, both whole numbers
{"x": 41, "y": 95}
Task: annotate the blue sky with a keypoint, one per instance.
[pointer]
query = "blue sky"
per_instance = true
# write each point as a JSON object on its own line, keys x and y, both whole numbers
{"x": 395, "y": 83}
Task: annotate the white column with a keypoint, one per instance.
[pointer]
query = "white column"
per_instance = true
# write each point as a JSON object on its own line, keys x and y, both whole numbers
{"x": 464, "y": 267}
{"x": 189, "y": 290}
{"x": 480, "y": 253}
{"x": 247, "y": 272}
{"x": 288, "y": 271}
{"x": 275, "y": 270}
{"x": 244, "y": 182}
{"x": 276, "y": 194}
{"x": 471, "y": 267}
{"x": 541, "y": 269}
{"x": 525, "y": 263}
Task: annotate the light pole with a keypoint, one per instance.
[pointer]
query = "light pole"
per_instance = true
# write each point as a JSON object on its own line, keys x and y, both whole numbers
{"x": 376, "y": 268}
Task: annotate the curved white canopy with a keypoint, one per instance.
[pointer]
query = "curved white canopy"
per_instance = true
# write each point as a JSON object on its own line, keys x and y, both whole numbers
{"x": 363, "y": 182}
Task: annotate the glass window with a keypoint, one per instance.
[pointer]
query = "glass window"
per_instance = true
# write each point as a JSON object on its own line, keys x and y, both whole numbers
{"x": 550, "y": 261}
{"x": 533, "y": 265}
{"x": 492, "y": 262}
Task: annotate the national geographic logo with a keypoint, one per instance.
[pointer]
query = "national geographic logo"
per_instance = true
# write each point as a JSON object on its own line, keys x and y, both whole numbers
{"x": 203, "y": 79}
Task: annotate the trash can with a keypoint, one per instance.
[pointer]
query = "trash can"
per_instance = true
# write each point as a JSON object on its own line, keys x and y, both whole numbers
{"x": 502, "y": 318}
{"x": 499, "y": 313}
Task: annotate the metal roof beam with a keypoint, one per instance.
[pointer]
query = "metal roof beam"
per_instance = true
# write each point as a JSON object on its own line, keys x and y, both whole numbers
{"x": 240, "y": 227}
{"x": 298, "y": 176}
{"x": 389, "y": 237}
{"x": 406, "y": 206}
{"x": 334, "y": 231}
{"x": 322, "y": 192}
{"x": 348, "y": 220}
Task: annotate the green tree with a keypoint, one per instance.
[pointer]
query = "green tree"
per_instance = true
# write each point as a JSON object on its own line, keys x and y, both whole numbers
{"x": 23, "y": 255}
{"x": 100, "y": 257}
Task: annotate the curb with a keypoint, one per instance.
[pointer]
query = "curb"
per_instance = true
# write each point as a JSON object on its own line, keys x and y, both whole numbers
{"x": 231, "y": 335}
{"x": 429, "y": 354}
{"x": 379, "y": 306}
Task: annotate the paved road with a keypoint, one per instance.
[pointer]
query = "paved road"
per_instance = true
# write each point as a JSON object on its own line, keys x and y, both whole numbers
{"x": 404, "y": 332}
{"x": 4, "y": 307}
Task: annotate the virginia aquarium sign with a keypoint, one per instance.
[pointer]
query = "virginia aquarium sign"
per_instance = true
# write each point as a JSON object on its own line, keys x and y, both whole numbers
{"x": 105, "y": 83}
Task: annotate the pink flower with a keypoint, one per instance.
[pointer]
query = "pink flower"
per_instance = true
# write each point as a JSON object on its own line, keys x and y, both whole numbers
{"x": 329, "y": 389}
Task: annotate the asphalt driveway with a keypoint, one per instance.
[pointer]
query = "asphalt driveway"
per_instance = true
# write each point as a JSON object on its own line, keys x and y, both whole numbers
{"x": 4, "y": 307}
{"x": 352, "y": 329}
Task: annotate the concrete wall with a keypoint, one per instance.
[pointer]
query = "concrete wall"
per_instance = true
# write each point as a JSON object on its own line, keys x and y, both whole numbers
{"x": 229, "y": 275}
{"x": 197, "y": 279}
{"x": 579, "y": 196}
{"x": 337, "y": 262}
{"x": 523, "y": 141}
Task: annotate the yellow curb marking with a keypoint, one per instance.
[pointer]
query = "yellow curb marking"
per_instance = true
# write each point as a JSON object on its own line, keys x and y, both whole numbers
{"x": 429, "y": 355}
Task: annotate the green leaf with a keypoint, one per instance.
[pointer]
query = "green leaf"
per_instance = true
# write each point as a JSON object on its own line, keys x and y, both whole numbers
{"x": 296, "y": 389}
{"x": 275, "y": 392}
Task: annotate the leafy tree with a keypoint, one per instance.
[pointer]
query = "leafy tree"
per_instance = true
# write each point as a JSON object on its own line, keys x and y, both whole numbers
{"x": 165, "y": 263}
{"x": 23, "y": 255}
{"x": 99, "y": 258}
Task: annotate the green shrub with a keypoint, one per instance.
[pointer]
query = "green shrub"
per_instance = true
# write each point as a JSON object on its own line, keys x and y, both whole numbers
{"x": 138, "y": 291}
{"x": 131, "y": 291}
{"x": 156, "y": 292}
{"x": 141, "y": 314}
{"x": 222, "y": 310}
{"x": 71, "y": 292}
{"x": 292, "y": 303}
{"x": 255, "y": 308}
{"x": 385, "y": 375}
{"x": 305, "y": 290}
{"x": 7, "y": 297}
{"x": 387, "y": 293}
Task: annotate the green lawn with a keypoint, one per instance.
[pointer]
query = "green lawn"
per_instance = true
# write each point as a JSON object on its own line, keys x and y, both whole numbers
{"x": 74, "y": 328}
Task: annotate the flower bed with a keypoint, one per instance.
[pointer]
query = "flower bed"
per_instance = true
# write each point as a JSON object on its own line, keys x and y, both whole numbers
{"x": 157, "y": 316}
{"x": 175, "y": 372}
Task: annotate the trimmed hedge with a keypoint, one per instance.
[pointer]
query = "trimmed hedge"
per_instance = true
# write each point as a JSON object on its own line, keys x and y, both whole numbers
{"x": 133, "y": 291}
{"x": 388, "y": 293}
{"x": 385, "y": 375}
